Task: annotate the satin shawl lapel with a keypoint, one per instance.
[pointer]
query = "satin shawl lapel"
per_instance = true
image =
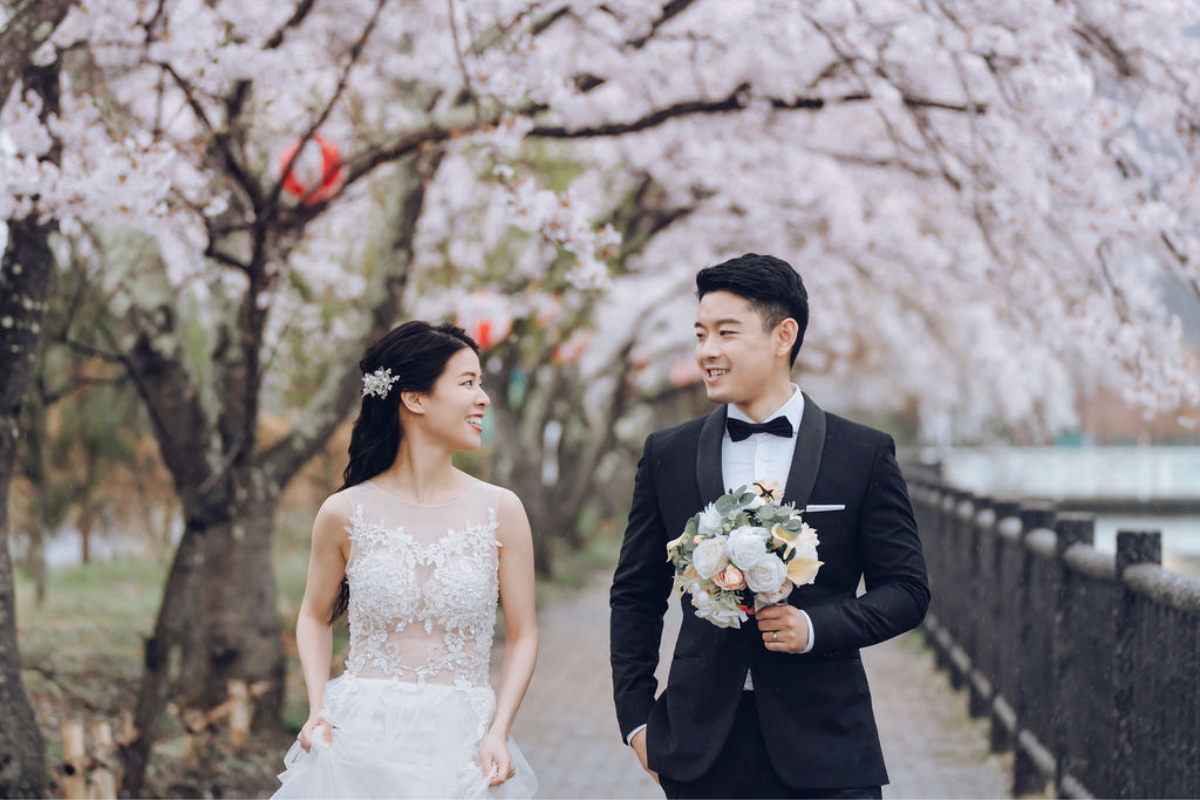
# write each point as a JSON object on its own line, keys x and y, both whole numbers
{"x": 806, "y": 460}
{"x": 708, "y": 457}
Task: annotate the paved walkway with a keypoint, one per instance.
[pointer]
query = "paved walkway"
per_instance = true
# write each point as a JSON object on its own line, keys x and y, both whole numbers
{"x": 568, "y": 730}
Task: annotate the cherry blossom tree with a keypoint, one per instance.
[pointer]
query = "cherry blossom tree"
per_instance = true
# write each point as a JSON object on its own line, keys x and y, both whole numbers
{"x": 25, "y": 269}
{"x": 983, "y": 197}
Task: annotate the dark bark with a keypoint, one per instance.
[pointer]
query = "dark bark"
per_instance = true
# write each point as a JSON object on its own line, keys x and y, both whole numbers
{"x": 174, "y": 615}
{"x": 34, "y": 465}
{"x": 235, "y": 630}
{"x": 25, "y": 272}
{"x": 24, "y": 281}
{"x": 29, "y": 25}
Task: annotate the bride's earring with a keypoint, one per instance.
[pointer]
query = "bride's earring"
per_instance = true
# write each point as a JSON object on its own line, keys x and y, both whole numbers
{"x": 412, "y": 401}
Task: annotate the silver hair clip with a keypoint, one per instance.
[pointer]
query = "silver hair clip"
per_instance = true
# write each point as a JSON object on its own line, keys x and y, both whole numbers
{"x": 379, "y": 382}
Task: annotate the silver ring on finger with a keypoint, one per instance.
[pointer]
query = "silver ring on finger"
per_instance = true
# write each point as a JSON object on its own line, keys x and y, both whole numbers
{"x": 774, "y": 636}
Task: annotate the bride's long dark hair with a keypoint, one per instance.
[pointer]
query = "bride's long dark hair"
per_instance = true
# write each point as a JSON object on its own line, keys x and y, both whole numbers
{"x": 416, "y": 353}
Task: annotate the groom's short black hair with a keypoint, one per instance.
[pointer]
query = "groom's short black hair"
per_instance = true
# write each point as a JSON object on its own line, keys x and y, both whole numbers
{"x": 773, "y": 288}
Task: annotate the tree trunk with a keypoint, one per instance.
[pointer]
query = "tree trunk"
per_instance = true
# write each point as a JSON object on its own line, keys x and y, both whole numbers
{"x": 34, "y": 465}
{"x": 85, "y": 535}
{"x": 24, "y": 281}
{"x": 217, "y": 620}
{"x": 25, "y": 272}
{"x": 236, "y": 631}
{"x": 174, "y": 616}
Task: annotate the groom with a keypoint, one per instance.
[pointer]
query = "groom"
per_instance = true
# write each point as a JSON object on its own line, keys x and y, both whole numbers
{"x": 779, "y": 708}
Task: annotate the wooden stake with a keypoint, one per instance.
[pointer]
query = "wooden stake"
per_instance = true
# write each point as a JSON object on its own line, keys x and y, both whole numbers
{"x": 239, "y": 713}
{"x": 104, "y": 783}
{"x": 74, "y": 761}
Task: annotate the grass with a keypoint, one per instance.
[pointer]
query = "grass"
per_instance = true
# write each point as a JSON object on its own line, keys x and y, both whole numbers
{"x": 85, "y": 641}
{"x": 81, "y": 653}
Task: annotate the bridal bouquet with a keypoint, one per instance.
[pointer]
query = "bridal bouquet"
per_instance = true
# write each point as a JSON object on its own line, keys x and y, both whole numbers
{"x": 742, "y": 553}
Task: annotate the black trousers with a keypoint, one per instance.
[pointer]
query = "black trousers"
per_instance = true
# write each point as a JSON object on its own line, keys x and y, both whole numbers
{"x": 743, "y": 769}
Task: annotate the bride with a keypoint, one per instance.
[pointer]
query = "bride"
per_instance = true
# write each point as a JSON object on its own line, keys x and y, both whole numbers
{"x": 417, "y": 552}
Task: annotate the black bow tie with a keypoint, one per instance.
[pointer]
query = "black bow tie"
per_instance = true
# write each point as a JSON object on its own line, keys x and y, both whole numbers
{"x": 739, "y": 430}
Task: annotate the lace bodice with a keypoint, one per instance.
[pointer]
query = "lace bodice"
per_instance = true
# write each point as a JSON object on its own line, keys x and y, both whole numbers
{"x": 423, "y": 586}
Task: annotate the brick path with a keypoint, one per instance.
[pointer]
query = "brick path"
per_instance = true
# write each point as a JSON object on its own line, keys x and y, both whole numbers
{"x": 568, "y": 731}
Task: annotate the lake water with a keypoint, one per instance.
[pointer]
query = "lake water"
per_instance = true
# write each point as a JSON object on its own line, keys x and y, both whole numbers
{"x": 1152, "y": 476}
{"x": 1143, "y": 474}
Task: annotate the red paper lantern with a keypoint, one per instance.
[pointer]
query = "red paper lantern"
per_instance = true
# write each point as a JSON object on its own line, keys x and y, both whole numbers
{"x": 486, "y": 316}
{"x": 316, "y": 173}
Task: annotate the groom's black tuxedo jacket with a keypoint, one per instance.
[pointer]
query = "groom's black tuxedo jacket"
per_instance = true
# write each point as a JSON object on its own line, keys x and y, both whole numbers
{"x": 814, "y": 708}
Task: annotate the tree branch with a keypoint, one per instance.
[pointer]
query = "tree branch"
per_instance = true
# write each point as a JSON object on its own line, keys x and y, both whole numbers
{"x": 737, "y": 100}
{"x": 671, "y": 9}
{"x": 302, "y": 11}
{"x": 221, "y": 138}
{"x": 84, "y": 382}
{"x": 30, "y": 23}
{"x": 180, "y": 425}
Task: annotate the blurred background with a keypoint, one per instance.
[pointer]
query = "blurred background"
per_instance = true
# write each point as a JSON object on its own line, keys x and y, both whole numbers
{"x": 214, "y": 207}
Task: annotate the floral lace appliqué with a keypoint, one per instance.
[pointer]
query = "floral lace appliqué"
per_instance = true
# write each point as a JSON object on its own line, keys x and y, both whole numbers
{"x": 422, "y": 611}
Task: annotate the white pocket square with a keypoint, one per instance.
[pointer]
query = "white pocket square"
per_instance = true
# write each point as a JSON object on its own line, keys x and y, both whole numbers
{"x": 815, "y": 509}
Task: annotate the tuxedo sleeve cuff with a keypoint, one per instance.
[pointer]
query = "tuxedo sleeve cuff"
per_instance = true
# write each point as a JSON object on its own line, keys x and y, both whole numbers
{"x": 811, "y": 638}
{"x": 629, "y": 736}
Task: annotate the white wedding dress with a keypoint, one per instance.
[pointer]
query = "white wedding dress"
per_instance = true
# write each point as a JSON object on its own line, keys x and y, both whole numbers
{"x": 410, "y": 711}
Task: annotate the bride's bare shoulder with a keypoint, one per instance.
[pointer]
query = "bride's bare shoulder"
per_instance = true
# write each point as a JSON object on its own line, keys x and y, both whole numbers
{"x": 333, "y": 517}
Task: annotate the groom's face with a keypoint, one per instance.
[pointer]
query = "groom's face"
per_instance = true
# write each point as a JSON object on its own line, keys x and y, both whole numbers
{"x": 736, "y": 355}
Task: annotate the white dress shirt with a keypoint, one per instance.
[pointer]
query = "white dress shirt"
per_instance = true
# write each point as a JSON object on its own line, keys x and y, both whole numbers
{"x": 760, "y": 457}
{"x": 763, "y": 457}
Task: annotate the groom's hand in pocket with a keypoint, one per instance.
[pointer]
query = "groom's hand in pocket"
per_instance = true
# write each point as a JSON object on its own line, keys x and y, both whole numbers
{"x": 784, "y": 629}
{"x": 638, "y": 743}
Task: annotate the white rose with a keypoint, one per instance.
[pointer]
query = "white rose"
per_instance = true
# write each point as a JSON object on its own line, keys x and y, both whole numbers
{"x": 716, "y": 612}
{"x": 709, "y": 557}
{"x": 767, "y": 574}
{"x": 746, "y": 547}
{"x": 710, "y": 521}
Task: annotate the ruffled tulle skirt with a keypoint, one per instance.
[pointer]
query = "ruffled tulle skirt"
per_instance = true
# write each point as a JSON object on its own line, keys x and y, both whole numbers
{"x": 397, "y": 739}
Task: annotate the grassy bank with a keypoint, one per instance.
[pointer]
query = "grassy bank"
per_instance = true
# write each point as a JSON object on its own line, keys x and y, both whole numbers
{"x": 81, "y": 653}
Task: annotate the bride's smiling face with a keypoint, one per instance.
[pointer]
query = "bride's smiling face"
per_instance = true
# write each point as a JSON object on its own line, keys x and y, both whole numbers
{"x": 453, "y": 410}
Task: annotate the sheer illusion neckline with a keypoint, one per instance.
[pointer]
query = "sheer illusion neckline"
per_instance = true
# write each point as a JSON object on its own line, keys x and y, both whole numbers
{"x": 450, "y": 502}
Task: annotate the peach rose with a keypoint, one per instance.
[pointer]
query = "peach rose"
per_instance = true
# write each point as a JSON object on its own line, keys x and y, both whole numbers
{"x": 730, "y": 578}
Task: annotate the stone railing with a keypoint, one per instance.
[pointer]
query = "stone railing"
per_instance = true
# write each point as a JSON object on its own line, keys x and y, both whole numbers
{"x": 1088, "y": 665}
